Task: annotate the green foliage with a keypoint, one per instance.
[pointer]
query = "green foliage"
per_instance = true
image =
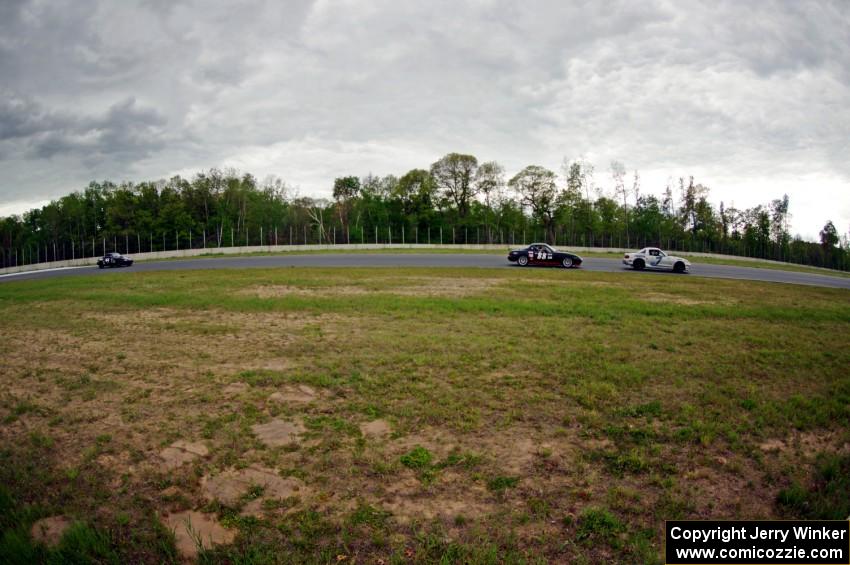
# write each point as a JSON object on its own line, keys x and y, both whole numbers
{"x": 263, "y": 377}
{"x": 220, "y": 209}
{"x": 369, "y": 515}
{"x": 502, "y": 483}
{"x": 649, "y": 410}
{"x": 81, "y": 543}
{"x": 417, "y": 458}
{"x": 420, "y": 460}
{"x": 598, "y": 524}
{"x": 828, "y": 497}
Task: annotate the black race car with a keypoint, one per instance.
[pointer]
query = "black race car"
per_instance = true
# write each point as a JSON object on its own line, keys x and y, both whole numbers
{"x": 544, "y": 254}
{"x": 114, "y": 260}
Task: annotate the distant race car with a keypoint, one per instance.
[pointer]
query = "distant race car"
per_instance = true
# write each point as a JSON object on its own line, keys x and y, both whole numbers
{"x": 114, "y": 260}
{"x": 654, "y": 258}
{"x": 544, "y": 254}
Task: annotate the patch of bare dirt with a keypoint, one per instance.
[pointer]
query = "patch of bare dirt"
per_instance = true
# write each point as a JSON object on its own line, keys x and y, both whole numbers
{"x": 280, "y": 291}
{"x": 516, "y": 449}
{"x": 181, "y": 452}
{"x": 598, "y": 443}
{"x": 408, "y": 499}
{"x": 278, "y": 433}
{"x": 277, "y": 365}
{"x": 376, "y": 429}
{"x": 812, "y": 443}
{"x": 718, "y": 494}
{"x": 235, "y": 388}
{"x": 435, "y": 440}
{"x": 300, "y": 393}
{"x": 659, "y": 297}
{"x": 192, "y": 528}
{"x": 419, "y": 286}
{"x": 772, "y": 445}
{"x": 808, "y": 444}
{"x": 565, "y": 282}
{"x": 50, "y": 530}
{"x": 255, "y": 483}
{"x": 446, "y": 287}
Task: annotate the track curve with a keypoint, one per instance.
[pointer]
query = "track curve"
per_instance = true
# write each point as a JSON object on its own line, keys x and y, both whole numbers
{"x": 429, "y": 260}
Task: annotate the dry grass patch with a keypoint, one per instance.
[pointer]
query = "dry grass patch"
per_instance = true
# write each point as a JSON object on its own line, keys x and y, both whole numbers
{"x": 658, "y": 297}
{"x": 281, "y": 291}
{"x": 452, "y": 497}
{"x": 454, "y": 287}
{"x": 50, "y": 530}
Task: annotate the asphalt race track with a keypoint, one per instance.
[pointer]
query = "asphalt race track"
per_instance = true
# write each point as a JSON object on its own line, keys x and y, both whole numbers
{"x": 429, "y": 260}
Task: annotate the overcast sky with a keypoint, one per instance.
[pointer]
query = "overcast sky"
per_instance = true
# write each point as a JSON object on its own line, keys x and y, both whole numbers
{"x": 752, "y": 98}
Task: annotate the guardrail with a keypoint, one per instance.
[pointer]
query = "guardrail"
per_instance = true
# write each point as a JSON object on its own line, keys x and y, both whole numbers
{"x": 342, "y": 247}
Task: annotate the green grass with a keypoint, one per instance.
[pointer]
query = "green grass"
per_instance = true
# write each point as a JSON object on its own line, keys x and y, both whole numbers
{"x": 828, "y": 497}
{"x": 532, "y": 415}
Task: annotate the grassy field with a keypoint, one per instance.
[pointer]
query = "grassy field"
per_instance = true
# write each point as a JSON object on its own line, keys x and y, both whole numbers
{"x": 397, "y": 416}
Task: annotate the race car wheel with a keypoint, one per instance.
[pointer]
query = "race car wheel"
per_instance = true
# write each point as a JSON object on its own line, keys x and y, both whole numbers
{"x": 100, "y": 266}
{"x": 567, "y": 262}
{"x": 679, "y": 267}
{"x": 638, "y": 265}
{"x": 522, "y": 261}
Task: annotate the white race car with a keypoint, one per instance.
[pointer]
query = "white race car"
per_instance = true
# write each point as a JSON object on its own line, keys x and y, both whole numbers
{"x": 654, "y": 258}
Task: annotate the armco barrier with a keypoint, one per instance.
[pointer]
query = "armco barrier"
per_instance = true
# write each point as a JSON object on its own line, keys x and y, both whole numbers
{"x": 212, "y": 251}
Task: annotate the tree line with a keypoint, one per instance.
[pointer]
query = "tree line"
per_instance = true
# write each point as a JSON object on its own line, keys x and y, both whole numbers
{"x": 456, "y": 200}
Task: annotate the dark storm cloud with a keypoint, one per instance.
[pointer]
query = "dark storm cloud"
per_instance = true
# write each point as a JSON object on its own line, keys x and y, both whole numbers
{"x": 23, "y": 118}
{"x": 124, "y": 130}
{"x": 752, "y": 96}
